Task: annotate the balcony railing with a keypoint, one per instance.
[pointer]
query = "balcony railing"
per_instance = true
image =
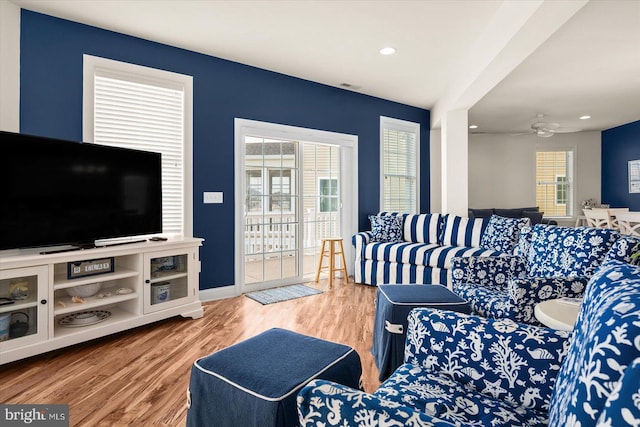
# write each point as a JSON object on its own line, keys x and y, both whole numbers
{"x": 274, "y": 233}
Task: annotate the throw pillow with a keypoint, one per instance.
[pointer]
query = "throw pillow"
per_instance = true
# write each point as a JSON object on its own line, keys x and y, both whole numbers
{"x": 509, "y": 213}
{"x": 480, "y": 213}
{"x": 534, "y": 216}
{"x": 386, "y": 228}
{"x": 422, "y": 228}
{"x": 502, "y": 233}
{"x": 458, "y": 231}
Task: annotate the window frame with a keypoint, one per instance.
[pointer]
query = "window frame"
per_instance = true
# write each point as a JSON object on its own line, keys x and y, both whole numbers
{"x": 400, "y": 126}
{"x": 331, "y": 197}
{"x": 149, "y": 76}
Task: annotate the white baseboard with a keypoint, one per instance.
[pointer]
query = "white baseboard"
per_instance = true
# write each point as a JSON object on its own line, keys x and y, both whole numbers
{"x": 218, "y": 293}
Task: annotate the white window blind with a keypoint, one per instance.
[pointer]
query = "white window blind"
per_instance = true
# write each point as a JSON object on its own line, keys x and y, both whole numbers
{"x": 150, "y": 117}
{"x": 554, "y": 183}
{"x": 399, "y": 165}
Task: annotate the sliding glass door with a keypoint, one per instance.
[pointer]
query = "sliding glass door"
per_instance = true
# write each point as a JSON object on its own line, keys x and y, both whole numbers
{"x": 271, "y": 216}
{"x": 289, "y": 199}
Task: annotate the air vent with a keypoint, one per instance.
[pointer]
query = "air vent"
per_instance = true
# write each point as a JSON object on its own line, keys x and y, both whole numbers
{"x": 349, "y": 86}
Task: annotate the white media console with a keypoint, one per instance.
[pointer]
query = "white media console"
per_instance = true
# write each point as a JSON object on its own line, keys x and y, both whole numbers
{"x": 150, "y": 281}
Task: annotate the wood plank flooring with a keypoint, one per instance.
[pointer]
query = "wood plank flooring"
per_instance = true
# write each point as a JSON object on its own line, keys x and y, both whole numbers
{"x": 139, "y": 377}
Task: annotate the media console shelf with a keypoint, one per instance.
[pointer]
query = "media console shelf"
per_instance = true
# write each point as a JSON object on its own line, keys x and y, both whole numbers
{"x": 150, "y": 281}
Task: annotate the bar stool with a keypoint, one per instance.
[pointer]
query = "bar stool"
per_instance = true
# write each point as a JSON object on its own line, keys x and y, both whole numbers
{"x": 334, "y": 248}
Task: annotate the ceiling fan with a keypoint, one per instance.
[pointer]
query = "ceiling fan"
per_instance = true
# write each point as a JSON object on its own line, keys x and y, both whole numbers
{"x": 545, "y": 129}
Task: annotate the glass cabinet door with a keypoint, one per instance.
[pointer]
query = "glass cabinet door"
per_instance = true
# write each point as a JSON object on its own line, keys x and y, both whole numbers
{"x": 168, "y": 280}
{"x": 23, "y": 306}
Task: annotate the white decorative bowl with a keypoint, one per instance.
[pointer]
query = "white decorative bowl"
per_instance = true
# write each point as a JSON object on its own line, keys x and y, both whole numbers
{"x": 84, "y": 291}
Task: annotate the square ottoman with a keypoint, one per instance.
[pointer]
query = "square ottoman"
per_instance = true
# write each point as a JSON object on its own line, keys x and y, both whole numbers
{"x": 393, "y": 304}
{"x": 255, "y": 382}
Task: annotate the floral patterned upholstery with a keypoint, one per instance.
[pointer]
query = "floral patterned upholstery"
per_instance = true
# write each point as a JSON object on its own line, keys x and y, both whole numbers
{"x": 623, "y": 405}
{"x": 606, "y": 341}
{"x": 566, "y": 251}
{"x": 463, "y": 370}
{"x": 550, "y": 262}
{"x": 445, "y": 398}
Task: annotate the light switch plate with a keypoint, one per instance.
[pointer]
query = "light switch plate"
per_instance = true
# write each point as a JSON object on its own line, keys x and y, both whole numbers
{"x": 212, "y": 197}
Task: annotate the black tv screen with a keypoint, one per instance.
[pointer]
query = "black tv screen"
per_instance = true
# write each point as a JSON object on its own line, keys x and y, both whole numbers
{"x": 58, "y": 192}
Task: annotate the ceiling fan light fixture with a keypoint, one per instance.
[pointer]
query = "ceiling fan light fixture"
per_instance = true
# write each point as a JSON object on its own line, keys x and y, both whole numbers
{"x": 544, "y": 134}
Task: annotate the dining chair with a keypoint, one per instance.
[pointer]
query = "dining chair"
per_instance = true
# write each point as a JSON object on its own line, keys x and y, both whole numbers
{"x": 629, "y": 223}
{"x": 598, "y": 218}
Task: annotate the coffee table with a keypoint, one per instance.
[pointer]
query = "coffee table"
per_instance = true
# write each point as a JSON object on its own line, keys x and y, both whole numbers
{"x": 558, "y": 313}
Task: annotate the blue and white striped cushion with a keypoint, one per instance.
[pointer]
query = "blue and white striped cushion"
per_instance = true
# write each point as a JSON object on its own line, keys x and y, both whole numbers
{"x": 422, "y": 228}
{"x": 422, "y": 254}
{"x": 459, "y": 231}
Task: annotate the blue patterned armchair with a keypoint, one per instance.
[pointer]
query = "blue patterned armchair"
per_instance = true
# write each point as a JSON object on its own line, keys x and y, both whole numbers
{"x": 464, "y": 370}
{"x": 549, "y": 262}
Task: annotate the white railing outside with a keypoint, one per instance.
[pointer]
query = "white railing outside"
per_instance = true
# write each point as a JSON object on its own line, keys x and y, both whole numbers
{"x": 277, "y": 232}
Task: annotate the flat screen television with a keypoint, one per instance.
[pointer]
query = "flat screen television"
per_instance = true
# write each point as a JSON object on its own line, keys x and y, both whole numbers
{"x": 57, "y": 192}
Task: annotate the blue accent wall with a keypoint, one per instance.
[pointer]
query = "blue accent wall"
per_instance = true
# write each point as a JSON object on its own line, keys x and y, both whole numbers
{"x": 619, "y": 145}
{"x": 51, "y": 105}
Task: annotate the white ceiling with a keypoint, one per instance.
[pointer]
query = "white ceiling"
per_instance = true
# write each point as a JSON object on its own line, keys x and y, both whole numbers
{"x": 450, "y": 54}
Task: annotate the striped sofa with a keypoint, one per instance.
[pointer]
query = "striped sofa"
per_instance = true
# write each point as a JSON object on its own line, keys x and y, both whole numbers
{"x": 424, "y": 256}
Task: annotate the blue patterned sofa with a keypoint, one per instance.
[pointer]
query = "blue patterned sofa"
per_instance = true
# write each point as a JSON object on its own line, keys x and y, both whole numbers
{"x": 549, "y": 262}
{"x": 465, "y": 370}
{"x": 422, "y": 246}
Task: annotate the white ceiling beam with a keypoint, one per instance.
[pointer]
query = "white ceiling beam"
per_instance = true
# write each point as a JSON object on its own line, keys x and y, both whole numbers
{"x": 517, "y": 29}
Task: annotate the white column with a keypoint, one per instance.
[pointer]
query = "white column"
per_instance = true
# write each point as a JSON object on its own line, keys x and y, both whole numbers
{"x": 9, "y": 66}
{"x": 455, "y": 163}
{"x": 435, "y": 169}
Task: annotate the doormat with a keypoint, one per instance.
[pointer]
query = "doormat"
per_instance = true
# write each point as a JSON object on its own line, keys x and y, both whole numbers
{"x": 285, "y": 293}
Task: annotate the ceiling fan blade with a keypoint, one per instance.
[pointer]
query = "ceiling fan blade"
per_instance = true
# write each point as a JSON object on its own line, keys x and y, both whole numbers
{"x": 565, "y": 130}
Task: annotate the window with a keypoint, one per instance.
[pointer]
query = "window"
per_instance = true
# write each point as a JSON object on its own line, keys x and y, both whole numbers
{"x": 399, "y": 141}
{"x": 554, "y": 182}
{"x": 562, "y": 190}
{"x": 254, "y": 190}
{"x": 328, "y": 191}
{"x": 280, "y": 184}
{"x": 136, "y": 107}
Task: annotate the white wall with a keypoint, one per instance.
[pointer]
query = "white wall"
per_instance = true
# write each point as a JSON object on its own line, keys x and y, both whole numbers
{"x": 9, "y": 66}
{"x": 502, "y": 168}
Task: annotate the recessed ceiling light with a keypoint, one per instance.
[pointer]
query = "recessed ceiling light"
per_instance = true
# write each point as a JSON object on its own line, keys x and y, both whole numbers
{"x": 473, "y": 127}
{"x": 387, "y": 50}
{"x": 585, "y": 117}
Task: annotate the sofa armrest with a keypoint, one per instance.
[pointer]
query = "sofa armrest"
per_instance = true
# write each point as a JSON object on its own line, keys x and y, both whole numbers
{"x": 487, "y": 270}
{"x": 500, "y": 358}
{"x": 526, "y": 293}
{"x": 359, "y": 241}
{"x": 324, "y": 403}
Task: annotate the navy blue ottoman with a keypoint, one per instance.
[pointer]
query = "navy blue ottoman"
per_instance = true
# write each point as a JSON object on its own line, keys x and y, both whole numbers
{"x": 393, "y": 304}
{"x": 255, "y": 382}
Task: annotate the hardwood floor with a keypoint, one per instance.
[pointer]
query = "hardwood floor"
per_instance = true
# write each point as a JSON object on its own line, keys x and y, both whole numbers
{"x": 140, "y": 377}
